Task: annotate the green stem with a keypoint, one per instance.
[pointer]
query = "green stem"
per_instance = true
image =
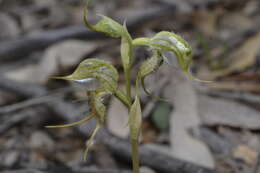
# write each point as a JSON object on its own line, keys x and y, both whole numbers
{"x": 123, "y": 98}
{"x": 128, "y": 82}
{"x": 135, "y": 156}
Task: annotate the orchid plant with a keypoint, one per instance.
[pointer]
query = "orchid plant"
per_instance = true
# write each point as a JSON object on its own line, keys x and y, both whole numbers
{"x": 101, "y": 78}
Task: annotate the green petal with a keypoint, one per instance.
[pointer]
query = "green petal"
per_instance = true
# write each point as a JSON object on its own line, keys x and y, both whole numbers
{"x": 106, "y": 25}
{"x": 148, "y": 67}
{"x": 74, "y": 123}
{"x": 113, "y": 29}
{"x": 101, "y": 70}
{"x": 170, "y": 42}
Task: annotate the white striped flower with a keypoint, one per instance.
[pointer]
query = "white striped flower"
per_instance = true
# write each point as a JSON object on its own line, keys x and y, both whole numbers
{"x": 87, "y": 84}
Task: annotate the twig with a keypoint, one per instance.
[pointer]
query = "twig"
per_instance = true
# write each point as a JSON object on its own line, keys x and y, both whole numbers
{"x": 22, "y": 89}
{"x": 19, "y": 117}
{"x": 53, "y": 96}
{"x": 243, "y": 96}
{"x": 57, "y": 105}
{"x": 23, "y": 46}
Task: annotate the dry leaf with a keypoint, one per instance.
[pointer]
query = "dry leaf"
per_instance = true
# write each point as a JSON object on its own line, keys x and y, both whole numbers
{"x": 206, "y": 21}
{"x": 63, "y": 54}
{"x": 184, "y": 117}
{"x": 218, "y": 111}
{"x": 234, "y": 23}
{"x": 246, "y": 154}
{"x": 242, "y": 58}
{"x": 117, "y": 119}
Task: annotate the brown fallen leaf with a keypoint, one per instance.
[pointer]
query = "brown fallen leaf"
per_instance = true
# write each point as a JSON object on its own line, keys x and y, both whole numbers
{"x": 241, "y": 59}
{"x": 246, "y": 154}
{"x": 234, "y": 22}
{"x": 184, "y": 117}
{"x": 149, "y": 133}
{"x": 206, "y": 21}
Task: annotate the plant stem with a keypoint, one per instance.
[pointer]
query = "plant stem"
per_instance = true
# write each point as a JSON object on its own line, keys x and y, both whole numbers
{"x": 135, "y": 156}
{"x": 128, "y": 82}
{"x": 123, "y": 98}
